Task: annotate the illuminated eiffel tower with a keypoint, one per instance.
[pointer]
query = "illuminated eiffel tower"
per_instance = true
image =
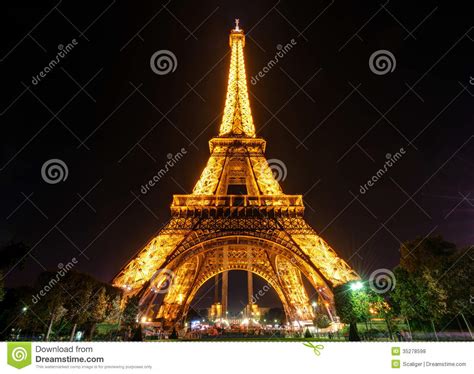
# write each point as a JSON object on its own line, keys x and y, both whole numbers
{"x": 237, "y": 218}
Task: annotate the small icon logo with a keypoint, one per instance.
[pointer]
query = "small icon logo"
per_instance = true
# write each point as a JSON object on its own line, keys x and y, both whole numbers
{"x": 19, "y": 354}
{"x": 277, "y": 168}
{"x": 382, "y": 281}
{"x": 382, "y": 62}
{"x": 395, "y": 364}
{"x": 316, "y": 348}
{"x": 163, "y": 280}
{"x": 54, "y": 171}
{"x": 163, "y": 62}
{"x": 395, "y": 351}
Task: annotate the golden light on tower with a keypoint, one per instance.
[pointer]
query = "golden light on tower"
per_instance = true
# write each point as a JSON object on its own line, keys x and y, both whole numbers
{"x": 214, "y": 230}
{"x": 237, "y": 118}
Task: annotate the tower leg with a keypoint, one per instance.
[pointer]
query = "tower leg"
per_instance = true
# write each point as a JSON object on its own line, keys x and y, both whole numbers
{"x": 216, "y": 289}
{"x": 250, "y": 288}
{"x": 225, "y": 284}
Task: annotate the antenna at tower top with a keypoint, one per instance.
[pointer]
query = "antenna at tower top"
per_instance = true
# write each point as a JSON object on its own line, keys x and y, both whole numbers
{"x": 237, "y": 25}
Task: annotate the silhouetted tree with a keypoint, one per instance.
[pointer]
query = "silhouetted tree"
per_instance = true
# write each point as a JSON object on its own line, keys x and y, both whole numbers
{"x": 11, "y": 254}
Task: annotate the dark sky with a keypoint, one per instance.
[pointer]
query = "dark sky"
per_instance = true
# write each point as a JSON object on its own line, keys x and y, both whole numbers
{"x": 324, "y": 113}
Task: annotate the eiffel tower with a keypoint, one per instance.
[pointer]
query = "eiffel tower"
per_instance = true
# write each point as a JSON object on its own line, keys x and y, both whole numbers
{"x": 236, "y": 218}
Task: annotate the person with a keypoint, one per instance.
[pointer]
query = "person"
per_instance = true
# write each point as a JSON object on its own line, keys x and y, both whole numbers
{"x": 174, "y": 334}
{"x": 400, "y": 335}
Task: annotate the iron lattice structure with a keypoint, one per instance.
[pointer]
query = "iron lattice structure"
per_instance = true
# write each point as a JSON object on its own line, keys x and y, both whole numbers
{"x": 211, "y": 231}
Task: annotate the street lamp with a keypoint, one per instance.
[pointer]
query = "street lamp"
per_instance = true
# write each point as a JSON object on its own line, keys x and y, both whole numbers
{"x": 356, "y": 286}
{"x": 24, "y": 309}
{"x": 314, "y": 304}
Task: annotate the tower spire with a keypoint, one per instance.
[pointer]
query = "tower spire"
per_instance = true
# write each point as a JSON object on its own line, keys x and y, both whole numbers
{"x": 237, "y": 119}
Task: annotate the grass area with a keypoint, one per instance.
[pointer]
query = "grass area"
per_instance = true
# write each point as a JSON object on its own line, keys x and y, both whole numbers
{"x": 106, "y": 328}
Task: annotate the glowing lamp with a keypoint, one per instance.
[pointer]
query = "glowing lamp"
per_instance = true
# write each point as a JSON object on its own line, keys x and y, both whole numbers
{"x": 356, "y": 286}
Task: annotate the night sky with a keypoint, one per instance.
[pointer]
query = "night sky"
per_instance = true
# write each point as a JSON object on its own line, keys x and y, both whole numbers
{"x": 324, "y": 114}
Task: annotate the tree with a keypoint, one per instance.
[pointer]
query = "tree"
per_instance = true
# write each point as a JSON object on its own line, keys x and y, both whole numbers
{"x": 458, "y": 284}
{"x": 424, "y": 280}
{"x": 419, "y": 296}
{"x": 11, "y": 254}
{"x": 425, "y": 253}
{"x": 352, "y": 305}
{"x": 130, "y": 314}
{"x": 80, "y": 289}
{"x": 275, "y": 314}
{"x": 12, "y": 312}
{"x": 114, "y": 312}
{"x": 131, "y": 310}
{"x": 49, "y": 304}
{"x": 59, "y": 301}
{"x": 379, "y": 306}
{"x": 90, "y": 302}
{"x": 322, "y": 321}
{"x": 98, "y": 310}
{"x": 459, "y": 287}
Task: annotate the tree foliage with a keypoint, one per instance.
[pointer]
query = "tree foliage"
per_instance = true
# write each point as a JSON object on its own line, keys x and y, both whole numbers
{"x": 457, "y": 281}
{"x": 130, "y": 312}
{"x": 322, "y": 321}
{"x": 432, "y": 280}
{"x": 57, "y": 305}
{"x": 425, "y": 253}
{"x": 11, "y": 254}
{"x": 419, "y": 296}
{"x": 352, "y": 306}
